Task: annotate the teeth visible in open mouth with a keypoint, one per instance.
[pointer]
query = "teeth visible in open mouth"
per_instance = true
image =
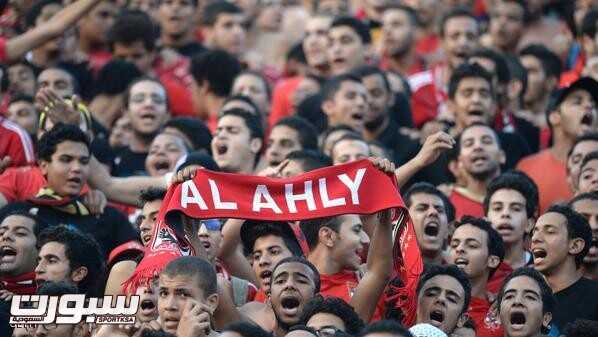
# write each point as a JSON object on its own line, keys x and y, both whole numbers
{"x": 460, "y": 262}
{"x": 7, "y": 251}
{"x": 290, "y": 302}
{"x": 518, "y": 318}
{"x": 539, "y": 253}
{"x": 266, "y": 274}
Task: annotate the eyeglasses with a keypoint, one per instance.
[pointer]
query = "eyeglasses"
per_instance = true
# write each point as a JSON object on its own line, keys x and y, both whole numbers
{"x": 327, "y": 331}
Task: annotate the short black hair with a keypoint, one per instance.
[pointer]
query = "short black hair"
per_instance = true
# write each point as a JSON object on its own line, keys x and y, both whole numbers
{"x": 247, "y": 329}
{"x": 467, "y": 70}
{"x": 577, "y": 227}
{"x": 551, "y": 64}
{"x": 310, "y": 159}
{"x": 251, "y": 121}
{"x": 244, "y": 99}
{"x": 311, "y": 228}
{"x": 115, "y": 76}
{"x": 195, "y": 130}
{"x": 586, "y": 137}
{"x": 194, "y": 266}
{"x": 218, "y": 68}
{"x": 500, "y": 63}
{"x": 260, "y": 229}
{"x": 19, "y": 97}
{"x": 365, "y": 71}
{"x": 593, "y": 196}
{"x": 212, "y": 11}
{"x": 335, "y": 128}
{"x": 524, "y": 6}
{"x": 520, "y": 182}
{"x": 151, "y": 194}
{"x": 349, "y": 137}
{"x": 82, "y": 250}
{"x": 452, "y": 271}
{"x": 548, "y": 300}
{"x": 358, "y": 26}
{"x": 49, "y": 141}
{"x": 308, "y": 135}
{"x": 387, "y": 326}
{"x": 582, "y": 328}
{"x": 588, "y": 24}
{"x": 36, "y": 10}
{"x": 494, "y": 241}
{"x": 518, "y": 72}
{"x": 262, "y": 78}
{"x": 333, "y": 85}
{"x": 456, "y": 12}
{"x": 334, "y": 306}
{"x": 411, "y": 13}
{"x": 31, "y": 213}
{"x": 427, "y": 188}
{"x": 588, "y": 158}
{"x": 131, "y": 26}
{"x": 302, "y": 260}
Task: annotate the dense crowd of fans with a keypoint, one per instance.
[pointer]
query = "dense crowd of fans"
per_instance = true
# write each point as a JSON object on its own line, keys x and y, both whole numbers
{"x": 482, "y": 111}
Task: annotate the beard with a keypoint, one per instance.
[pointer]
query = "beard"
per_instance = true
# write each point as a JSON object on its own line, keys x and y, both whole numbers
{"x": 486, "y": 174}
{"x": 374, "y": 124}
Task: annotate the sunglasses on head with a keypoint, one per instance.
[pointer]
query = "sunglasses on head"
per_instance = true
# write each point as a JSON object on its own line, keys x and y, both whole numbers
{"x": 211, "y": 224}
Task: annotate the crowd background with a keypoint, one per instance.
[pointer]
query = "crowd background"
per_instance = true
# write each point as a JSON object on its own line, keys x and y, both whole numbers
{"x": 484, "y": 111}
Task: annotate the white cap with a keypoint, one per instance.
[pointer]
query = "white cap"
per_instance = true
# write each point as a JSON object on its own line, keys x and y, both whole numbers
{"x": 426, "y": 330}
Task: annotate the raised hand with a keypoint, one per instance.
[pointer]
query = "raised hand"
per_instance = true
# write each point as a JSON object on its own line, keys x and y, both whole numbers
{"x": 433, "y": 147}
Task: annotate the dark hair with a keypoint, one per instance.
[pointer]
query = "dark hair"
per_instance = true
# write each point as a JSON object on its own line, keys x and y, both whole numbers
{"x": 82, "y": 250}
{"x": 519, "y": 73}
{"x": 523, "y": 4}
{"x": 67, "y": 69}
{"x": 131, "y": 26}
{"x": 588, "y": 24}
{"x": 310, "y": 159}
{"x": 500, "y": 63}
{"x": 411, "y": 13}
{"x": 587, "y": 137}
{"x": 593, "y": 196}
{"x": 349, "y": 137}
{"x": 247, "y": 329}
{"x": 155, "y": 333}
{"x": 31, "y": 214}
{"x": 261, "y": 77}
{"x": 467, "y": 70}
{"x": 365, "y": 71}
{"x": 588, "y": 158}
{"x": 36, "y": 10}
{"x": 520, "y": 182}
{"x": 333, "y": 129}
{"x": 582, "y": 328}
{"x": 311, "y": 228}
{"x": 360, "y": 28}
{"x": 333, "y": 85}
{"x": 454, "y": 13}
{"x": 551, "y": 64}
{"x": 296, "y": 53}
{"x": 302, "y": 260}
{"x": 57, "y": 288}
{"x": 470, "y": 324}
{"x": 457, "y": 148}
{"x": 387, "y": 326}
{"x": 261, "y": 229}
{"x": 452, "y": 271}
{"x": 21, "y": 98}
{"x": 127, "y": 94}
{"x": 49, "y": 141}
{"x": 548, "y": 300}
{"x": 197, "y": 132}
{"x": 427, "y": 188}
{"x": 308, "y": 136}
{"x": 244, "y": 99}
{"x": 251, "y": 121}
{"x": 334, "y": 306}
{"x": 115, "y": 76}
{"x": 494, "y": 241}
{"x": 577, "y": 227}
{"x": 303, "y": 327}
{"x": 194, "y": 266}
{"x": 198, "y": 158}
{"x": 218, "y": 68}
{"x": 151, "y": 194}
{"x": 213, "y": 10}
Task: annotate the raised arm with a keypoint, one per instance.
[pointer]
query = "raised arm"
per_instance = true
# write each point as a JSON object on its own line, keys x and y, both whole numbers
{"x": 18, "y": 46}
{"x": 433, "y": 146}
{"x": 231, "y": 253}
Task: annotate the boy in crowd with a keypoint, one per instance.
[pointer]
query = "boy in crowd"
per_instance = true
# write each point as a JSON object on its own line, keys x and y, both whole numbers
{"x": 586, "y": 204}
{"x": 345, "y": 101}
{"x": 329, "y": 315}
{"x": 349, "y": 41}
{"x": 289, "y": 134}
{"x": 477, "y": 249}
{"x": 176, "y": 21}
{"x": 582, "y": 146}
{"x": 560, "y": 240}
{"x": 223, "y": 27}
{"x": 431, "y": 212}
{"x": 511, "y": 205}
{"x": 151, "y": 201}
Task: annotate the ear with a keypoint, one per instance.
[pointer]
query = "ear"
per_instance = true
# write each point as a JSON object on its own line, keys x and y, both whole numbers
{"x": 79, "y": 274}
{"x": 255, "y": 145}
{"x": 554, "y": 117}
{"x": 546, "y": 319}
{"x": 576, "y": 246}
{"x": 328, "y": 107}
{"x": 326, "y": 236}
{"x": 514, "y": 89}
{"x": 493, "y": 261}
{"x": 212, "y": 303}
{"x": 43, "y": 166}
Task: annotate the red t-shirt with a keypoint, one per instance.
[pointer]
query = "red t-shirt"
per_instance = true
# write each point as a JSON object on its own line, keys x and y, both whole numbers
{"x": 282, "y": 99}
{"x": 177, "y": 81}
{"x": 550, "y": 175}
{"x": 428, "y": 44}
{"x": 478, "y": 311}
{"x": 2, "y": 49}
{"x": 21, "y": 183}
{"x": 465, "y": 205}
{"x": 16, "y": 143}
{"x": 417, "y": 67}
{"x": 495, "y": 282}
{"x": 429, "y": 96}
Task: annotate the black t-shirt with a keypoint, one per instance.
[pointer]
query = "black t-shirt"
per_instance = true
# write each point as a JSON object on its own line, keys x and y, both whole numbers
{"x": 128, "y": 163}
{"x": 578, "y": 301}
{"x": 110, "y": 229}
{"x": 191, "y": 49}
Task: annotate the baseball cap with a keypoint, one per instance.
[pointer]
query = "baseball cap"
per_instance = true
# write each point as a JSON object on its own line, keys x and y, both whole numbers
{"x": 426, "y": 330}
{"x": 585, "y": 83}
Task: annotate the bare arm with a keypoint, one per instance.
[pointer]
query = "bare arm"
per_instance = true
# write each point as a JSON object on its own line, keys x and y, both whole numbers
{"x": 119, "y": 273}
{"x": 379, "y": 268}
{"x": 18, "y": 46}
{"x": 230, "y": 251}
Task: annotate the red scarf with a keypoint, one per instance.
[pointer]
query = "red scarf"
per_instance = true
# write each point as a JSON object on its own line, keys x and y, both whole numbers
{"x": 354, "y": 188}
{"x": 23, "y": 284}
